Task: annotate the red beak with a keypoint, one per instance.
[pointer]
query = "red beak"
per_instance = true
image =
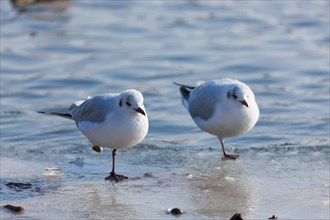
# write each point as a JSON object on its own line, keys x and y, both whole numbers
{"x": 139, "y": 110}
{"x": 244, "y": 103}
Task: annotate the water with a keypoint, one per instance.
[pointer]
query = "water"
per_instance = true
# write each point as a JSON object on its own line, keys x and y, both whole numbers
{"x": 55, "y": 53}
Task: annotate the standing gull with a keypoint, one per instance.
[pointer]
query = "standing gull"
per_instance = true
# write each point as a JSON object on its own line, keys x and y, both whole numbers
{"x": 224, "y": 108}
{"x": 113, "y": 120}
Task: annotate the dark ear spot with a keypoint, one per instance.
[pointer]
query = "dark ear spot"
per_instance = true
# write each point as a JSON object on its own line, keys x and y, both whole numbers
{"x": 235, "y": 92}
{"x": 232, "y": 94}
{"x": 120, "y": 103}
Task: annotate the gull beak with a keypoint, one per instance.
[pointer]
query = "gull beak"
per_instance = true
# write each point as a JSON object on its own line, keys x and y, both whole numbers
{"x": 244, "y": 103}
{"x": 140, "y": 110}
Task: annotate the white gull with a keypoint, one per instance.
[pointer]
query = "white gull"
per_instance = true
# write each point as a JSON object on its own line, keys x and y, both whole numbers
{"x": 224, "y": 108}
{"x": 113, "y": 120}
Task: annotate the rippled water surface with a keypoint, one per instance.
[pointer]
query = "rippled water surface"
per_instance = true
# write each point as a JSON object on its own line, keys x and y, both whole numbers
{"x": 55, "y": 53}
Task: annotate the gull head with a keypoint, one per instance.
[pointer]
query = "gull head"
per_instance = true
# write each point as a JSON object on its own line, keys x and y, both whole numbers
{"x": 132, "y": 101}
{"x": 240, "y": 94}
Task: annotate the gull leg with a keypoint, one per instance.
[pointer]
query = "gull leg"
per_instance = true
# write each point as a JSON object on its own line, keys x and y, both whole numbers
{"x": 113, "y": 176}
{"x": 225, "y": 155}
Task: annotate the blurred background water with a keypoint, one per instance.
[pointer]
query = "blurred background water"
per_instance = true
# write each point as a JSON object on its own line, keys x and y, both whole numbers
{"x": 53, "y": 53}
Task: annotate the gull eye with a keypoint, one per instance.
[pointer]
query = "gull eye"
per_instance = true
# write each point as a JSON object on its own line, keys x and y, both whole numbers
{"x": 128, "y": 104}
{"x": 235, "y": 96}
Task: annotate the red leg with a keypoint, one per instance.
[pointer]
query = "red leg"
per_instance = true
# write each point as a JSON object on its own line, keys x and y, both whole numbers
{"x": 113, "y": 176}
{"x": 225, "y": 155}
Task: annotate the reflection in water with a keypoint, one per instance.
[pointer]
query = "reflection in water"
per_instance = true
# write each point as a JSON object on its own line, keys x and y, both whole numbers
{"x": 222, "y": 192}
{"x": 18, "y": 3}
{"x": 39, "y": 6}
{"x": 96, "y": 201}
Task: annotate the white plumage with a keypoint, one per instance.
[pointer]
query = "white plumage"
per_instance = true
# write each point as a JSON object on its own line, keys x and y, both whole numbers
{"x": 224, "y": 108}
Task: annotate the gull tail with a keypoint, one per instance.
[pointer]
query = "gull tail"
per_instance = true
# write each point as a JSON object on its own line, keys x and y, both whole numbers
{"x": 185, "y": 92}
{"x": 64, "y": 115}
{"x": 184, "y": 89}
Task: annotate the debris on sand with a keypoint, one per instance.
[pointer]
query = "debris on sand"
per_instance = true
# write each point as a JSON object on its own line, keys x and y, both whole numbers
{"x": 273, "y": 217}
{"x": 19, "y": 186}
{"x": 236, "y": 216}
{"x": 175, "y": 211}
{"x": 14, "y": 208}
{"x": 148, "y": 174}
{"x": 53, "y": 171}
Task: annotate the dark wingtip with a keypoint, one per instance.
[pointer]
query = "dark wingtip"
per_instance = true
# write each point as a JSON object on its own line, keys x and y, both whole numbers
{"x": 64, "y": 115}
{"x": 182, "y": 85}
{"x": 177, "y": 84}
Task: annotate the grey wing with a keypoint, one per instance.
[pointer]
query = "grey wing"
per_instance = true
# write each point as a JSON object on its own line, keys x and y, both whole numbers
{"x": 94, "y": 109}
{"x": 202, "y": 102}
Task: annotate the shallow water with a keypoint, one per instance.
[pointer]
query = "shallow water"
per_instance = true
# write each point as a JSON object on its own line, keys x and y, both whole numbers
{"x": 55, "y": 53}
